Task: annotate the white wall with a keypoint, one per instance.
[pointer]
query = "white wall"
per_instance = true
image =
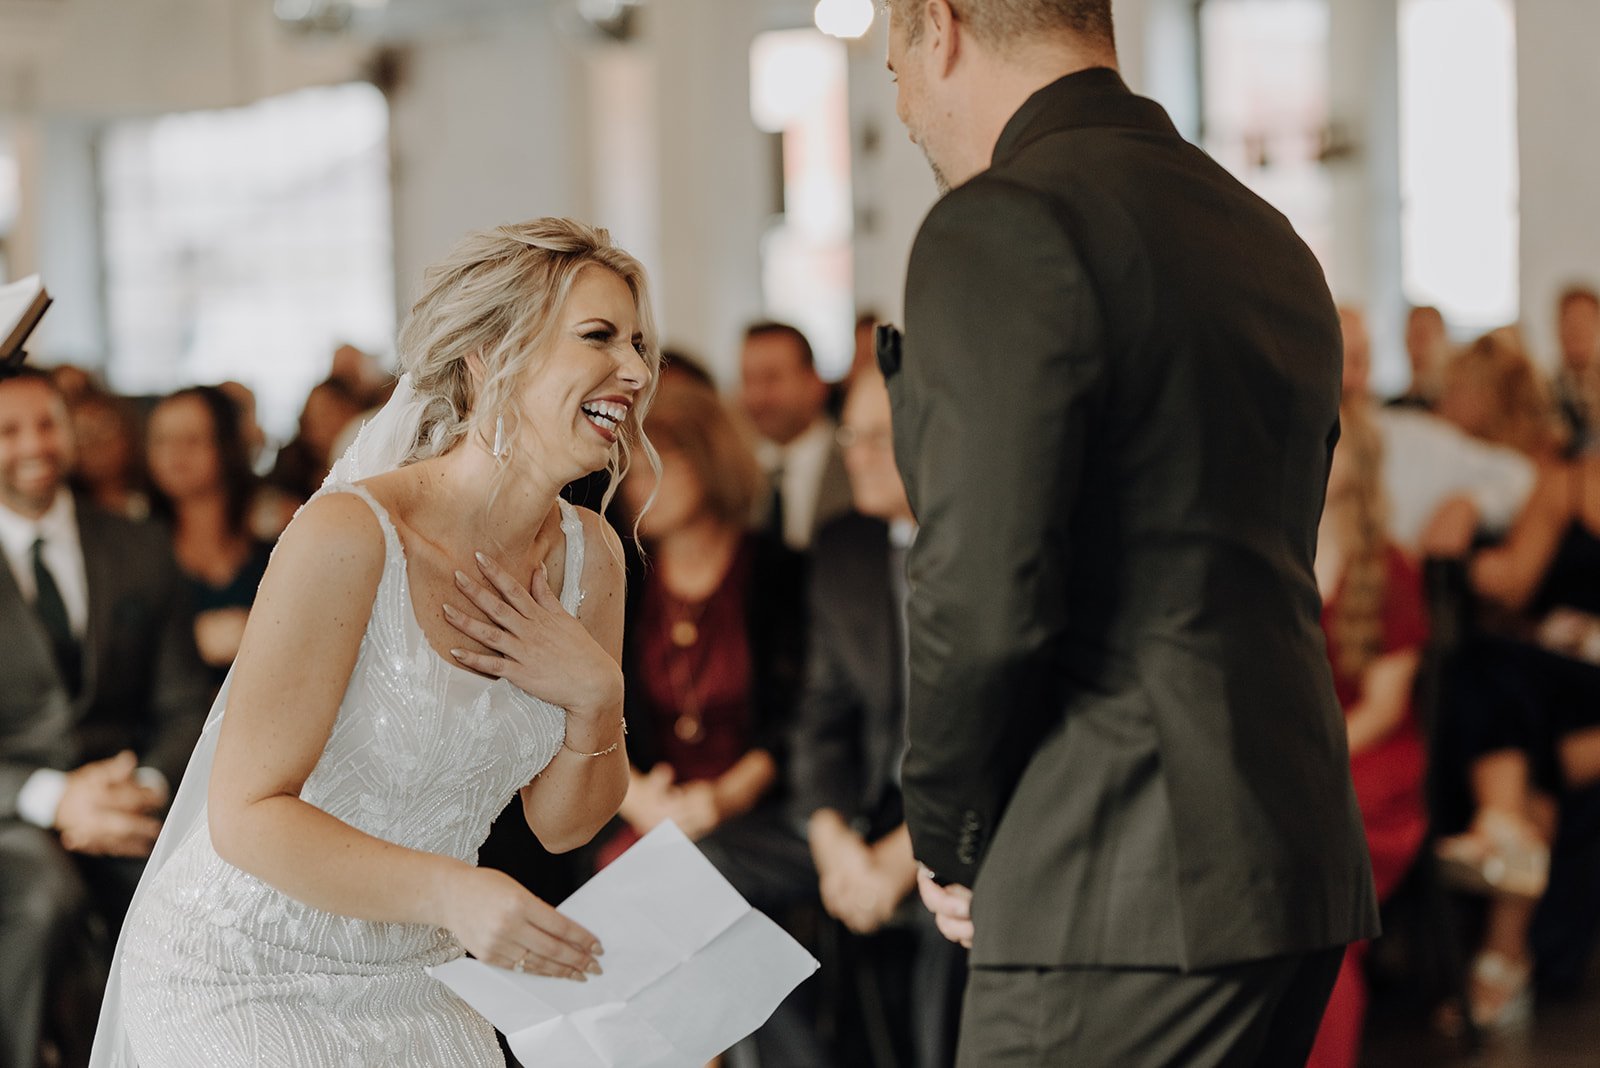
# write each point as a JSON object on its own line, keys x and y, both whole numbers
{"x": 893, "y": 185}
{"x": 64, "y": 237}
{"x": 1558, "y": 83}
{"x": 483, "y": 130}
{"x": 714, "y": 170}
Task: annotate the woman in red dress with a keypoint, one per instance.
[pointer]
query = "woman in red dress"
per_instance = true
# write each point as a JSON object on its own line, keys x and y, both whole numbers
{"x": 1375, "y": 621}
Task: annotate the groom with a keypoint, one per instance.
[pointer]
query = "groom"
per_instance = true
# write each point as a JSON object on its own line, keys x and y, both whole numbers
{"x": 1114, "y": 413}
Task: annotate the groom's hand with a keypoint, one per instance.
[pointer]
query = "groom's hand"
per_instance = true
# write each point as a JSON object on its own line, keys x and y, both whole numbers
{"x": 951, "y": 907}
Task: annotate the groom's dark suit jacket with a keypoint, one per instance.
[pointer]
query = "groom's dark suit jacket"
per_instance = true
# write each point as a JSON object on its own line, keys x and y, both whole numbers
{"x": 144, "y": 686}
{"x": 1115, "y": 415}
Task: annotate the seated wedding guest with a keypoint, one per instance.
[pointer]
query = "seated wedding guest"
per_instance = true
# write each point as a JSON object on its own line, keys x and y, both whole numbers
{"x": 1577, "y": 382}
{"x": 1524, "y": 725}
{"x": 1428, "y": 462}
{"x": 786, "y": 401}
{"x": 271, "y": 508}
{"x": 73, "y": 382}
{"x": 255, "y": 438}
{"x": 1427, "y": 349}
{"x": 101, "y": 699}
{"x": 362, "y": 375}
{"x": 1491, "y": 390}
{"x": 863, "y": 359}
{"x": 203, "y": 486}
{"x": 1374, "y": 617}
{"x": 713, "y": 657}
{"x": 681, "y": 362}
{"x": 303, "y": 463}
{"x": 108, "y": 469}
{"x": 849, "y": 735}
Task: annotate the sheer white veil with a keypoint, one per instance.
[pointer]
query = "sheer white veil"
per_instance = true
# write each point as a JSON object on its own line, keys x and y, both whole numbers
{"x": 384, "y": 442}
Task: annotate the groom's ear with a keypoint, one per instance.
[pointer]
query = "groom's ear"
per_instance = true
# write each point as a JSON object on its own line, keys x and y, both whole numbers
{"x": 940, "y": 23}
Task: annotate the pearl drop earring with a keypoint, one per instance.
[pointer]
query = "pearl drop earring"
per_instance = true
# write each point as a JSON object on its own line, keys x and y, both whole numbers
{"x": 500, "y": 438}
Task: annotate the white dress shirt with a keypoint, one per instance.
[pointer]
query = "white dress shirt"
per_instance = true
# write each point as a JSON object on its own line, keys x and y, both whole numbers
{"x": 63, "y": 557}
{"x": 1427, "y": 461}
{"x": 804, "y": 461}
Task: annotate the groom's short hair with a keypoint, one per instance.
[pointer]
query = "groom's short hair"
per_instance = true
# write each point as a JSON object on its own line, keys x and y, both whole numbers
{"x": 1001, "y": 22}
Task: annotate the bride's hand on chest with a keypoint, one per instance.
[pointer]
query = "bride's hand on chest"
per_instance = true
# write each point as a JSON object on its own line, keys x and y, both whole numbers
{"x": 534, "y": 644}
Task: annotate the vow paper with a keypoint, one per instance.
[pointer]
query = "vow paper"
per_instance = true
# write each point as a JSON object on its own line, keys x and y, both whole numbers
{"x": 690, "y": 969}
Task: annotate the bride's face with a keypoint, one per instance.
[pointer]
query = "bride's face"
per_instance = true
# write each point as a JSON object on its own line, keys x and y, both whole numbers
{"x": 579, "y": 396}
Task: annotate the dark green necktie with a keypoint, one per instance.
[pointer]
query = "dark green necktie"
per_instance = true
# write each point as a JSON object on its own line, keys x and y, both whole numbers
{"x": 53, "y": 614}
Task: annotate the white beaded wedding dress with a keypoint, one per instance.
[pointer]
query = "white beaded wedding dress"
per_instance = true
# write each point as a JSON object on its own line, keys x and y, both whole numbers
{"x": 216, "y": 969}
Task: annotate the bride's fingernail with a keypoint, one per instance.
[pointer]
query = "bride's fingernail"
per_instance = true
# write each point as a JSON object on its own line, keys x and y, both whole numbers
{"x": 593, "y": 968}
{"x": 597, "y": 949}
{"x": 458, "y": 653}
{"x": 449, "y": 609}
{"x": 482, "y": 559}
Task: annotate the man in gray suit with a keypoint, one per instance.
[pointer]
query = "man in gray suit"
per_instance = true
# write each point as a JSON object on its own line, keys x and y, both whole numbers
{"x": 102, "y": 695}
{"x": 1114, "y": 412}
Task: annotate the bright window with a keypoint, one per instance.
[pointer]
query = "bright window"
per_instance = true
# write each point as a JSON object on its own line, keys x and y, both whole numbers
{"x": 248, "y": 243}
{"x": 798, "y": 90}
{"x": 1458, "y": 159}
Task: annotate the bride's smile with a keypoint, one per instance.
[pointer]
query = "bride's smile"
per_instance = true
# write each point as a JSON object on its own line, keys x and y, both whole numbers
{"x": 577, "y": 402}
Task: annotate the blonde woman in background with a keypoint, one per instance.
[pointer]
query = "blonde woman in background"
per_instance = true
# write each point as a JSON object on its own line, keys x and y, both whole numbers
{"x": 431, "y": 637}
{"x": 1492, "y": 391}
{"x": 1375, "y": 621}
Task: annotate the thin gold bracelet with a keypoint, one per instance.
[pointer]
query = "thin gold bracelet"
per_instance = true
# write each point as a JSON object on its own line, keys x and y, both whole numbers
{"x": 607, "y": 751}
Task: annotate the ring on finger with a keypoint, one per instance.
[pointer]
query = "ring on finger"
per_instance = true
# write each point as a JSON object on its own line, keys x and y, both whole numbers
{"x": 522, "y": 962}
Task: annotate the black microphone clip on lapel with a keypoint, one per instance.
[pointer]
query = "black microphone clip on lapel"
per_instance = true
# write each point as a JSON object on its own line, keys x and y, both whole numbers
{"x": 887, "y": 340}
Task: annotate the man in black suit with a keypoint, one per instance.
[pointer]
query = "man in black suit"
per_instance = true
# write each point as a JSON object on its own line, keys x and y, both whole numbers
{"x": 848, "y": 739}
{"x": 102, "y": 695}
{"x": 1114, "y": 414}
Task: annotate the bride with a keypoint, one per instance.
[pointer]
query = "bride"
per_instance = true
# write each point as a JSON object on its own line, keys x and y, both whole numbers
{"x": 409, "y": 666}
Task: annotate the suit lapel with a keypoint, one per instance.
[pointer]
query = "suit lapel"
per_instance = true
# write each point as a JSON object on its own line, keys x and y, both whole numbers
{"x": 18, "y": 617}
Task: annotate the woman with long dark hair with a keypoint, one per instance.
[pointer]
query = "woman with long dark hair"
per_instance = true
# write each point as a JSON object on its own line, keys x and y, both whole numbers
{"x": 202, "y": 484}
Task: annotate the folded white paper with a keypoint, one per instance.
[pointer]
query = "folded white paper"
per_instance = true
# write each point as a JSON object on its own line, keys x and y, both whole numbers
{"x": 690, "y": 969}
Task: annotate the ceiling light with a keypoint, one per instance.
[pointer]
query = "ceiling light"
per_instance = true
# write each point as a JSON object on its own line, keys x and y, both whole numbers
{"x": 844, "y": 18}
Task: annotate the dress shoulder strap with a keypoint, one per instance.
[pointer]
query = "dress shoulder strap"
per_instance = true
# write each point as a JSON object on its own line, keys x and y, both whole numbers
{"x": 572, "y": 581}
{"x": 393, "y": 549}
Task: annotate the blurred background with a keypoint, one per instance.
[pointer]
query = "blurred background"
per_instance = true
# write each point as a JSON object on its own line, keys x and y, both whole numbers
{"x": 228, "y": 189}
{"x": 246, "y": 193}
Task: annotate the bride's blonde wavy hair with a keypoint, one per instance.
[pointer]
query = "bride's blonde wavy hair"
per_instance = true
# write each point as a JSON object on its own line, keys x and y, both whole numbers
{"x": 496, "y": 297}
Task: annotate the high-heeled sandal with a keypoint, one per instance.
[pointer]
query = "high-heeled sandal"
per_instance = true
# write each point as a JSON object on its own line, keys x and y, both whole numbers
{"x": 1499, "y": 995}
{"x": 1498, "y": 856}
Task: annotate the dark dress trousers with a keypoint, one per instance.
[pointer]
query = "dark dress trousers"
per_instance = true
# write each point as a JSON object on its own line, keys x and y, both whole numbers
{"x": 1115, "y": 411}
{"x": 144, "y": 688}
